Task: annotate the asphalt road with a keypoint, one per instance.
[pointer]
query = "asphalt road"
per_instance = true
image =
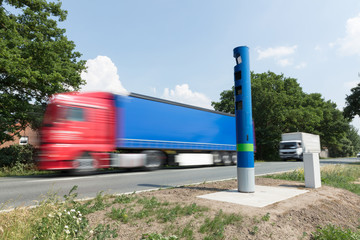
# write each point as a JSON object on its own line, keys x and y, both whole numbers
{"x": 21, "y": 191}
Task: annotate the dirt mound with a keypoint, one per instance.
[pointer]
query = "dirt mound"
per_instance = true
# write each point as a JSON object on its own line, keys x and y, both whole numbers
{"x": 294, "y": 218}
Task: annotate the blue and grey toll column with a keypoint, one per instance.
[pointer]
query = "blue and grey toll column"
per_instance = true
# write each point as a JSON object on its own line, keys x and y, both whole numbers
{"x": 244, "y": 123}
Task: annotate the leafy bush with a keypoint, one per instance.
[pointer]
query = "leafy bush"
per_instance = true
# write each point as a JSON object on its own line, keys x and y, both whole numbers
{"x": 17, "y": 154}
{"x": 331, "y": 232}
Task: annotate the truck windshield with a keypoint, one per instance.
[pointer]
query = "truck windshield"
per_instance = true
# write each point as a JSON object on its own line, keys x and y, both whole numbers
{"x": 288, "y": 145}
{"x": 73, "y": 114}
{"x": 60, "y": 113}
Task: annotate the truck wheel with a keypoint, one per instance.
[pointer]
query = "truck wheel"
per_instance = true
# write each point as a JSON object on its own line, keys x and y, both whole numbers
{"x": 154, "y": 160}
{"x": 233, "y": 158}
{"x": 226, "y": 159}
{"x": 216, "y": 158}
{"x": 85, "y": 164}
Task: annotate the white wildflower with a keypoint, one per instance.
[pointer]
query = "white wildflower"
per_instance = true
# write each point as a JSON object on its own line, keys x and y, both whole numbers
{"x": 66, "y": 226}
{"x": 50, "y": 215}
{"x": 91, "y": 231}
{"x": 67, "y": 232}
{"x": 72, "y": 210}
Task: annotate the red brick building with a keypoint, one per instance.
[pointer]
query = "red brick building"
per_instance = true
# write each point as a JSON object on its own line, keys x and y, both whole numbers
{"x": 28, "y": 136}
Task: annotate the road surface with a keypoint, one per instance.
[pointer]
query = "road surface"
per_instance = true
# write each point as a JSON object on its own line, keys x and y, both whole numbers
{"x": 21, "y": 191}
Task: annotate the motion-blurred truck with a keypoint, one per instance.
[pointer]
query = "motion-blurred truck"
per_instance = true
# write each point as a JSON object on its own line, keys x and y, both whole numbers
{"x": 294, "y": 145}
{"x": 83, "y": 132}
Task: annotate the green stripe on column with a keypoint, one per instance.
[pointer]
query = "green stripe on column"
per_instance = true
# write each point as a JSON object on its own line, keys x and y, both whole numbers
{"x": 245, "y": 147}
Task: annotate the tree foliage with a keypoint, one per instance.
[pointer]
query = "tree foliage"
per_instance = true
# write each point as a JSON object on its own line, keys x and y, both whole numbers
{"x": 227, "y": 102}
{"x": 36, "y": 61}
{"x": 280, "y": 106}
{"x": 352, "y": 107}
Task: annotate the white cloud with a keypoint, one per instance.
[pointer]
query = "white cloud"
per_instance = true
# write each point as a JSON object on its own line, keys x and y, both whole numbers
{"x": 101, "y": 75}
{"x": 350, "y": 44}
{"x": 284, "y": 62}
{"x": 182, "y": 93}
{"x": 301, "y": 65}
{"x": 277, "y": 52}
{"x": 318, "y": 48}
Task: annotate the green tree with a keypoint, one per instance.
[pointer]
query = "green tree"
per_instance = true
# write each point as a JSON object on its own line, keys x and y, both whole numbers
{"x": 333, "y": 129}
{"x": 352, "y": 107}
{"x": 353, "y": 136}
{"x": 275, "y": 100}
{"x": 36, "y": 61}
{"x": 280, "y": 106}
{"x": 227, "y": 102}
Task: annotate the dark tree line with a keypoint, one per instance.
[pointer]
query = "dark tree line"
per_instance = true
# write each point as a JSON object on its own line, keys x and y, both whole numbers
{"x": 280, "y": 106}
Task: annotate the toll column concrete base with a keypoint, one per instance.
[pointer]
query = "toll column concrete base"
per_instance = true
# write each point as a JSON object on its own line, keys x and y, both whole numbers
{"x": 246, "y": 180}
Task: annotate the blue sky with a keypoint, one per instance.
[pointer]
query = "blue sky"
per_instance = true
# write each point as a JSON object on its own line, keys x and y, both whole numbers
{"x": 182, "y": 49}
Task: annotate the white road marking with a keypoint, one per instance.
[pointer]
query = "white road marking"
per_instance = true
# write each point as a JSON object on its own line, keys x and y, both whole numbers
{"x": 87, "y": 177}
{"x": 194, "y": 169}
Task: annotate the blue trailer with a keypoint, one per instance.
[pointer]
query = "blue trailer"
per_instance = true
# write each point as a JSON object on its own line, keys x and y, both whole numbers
{"x": 165, "y": 129}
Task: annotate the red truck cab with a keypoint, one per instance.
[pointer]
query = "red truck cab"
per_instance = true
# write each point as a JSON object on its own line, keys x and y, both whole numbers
{"x": 78, "y": 131}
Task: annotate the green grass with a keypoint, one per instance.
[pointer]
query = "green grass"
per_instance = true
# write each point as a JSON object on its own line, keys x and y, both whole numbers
{"x": 151, "y": 208}
{"x": 57, "y": 218}
{"x": 157, "y": 236}
{"x": 170, "y": 214}
{"x": 187, "y": 232}
{"x": 296, "y": 175}
{"x": 53, "y": 219}
{"x": 215, "y": 228}
{"x": 124, "y": 198}
{"x": 339, "y": 176}
{"x": 266, "y": 217}
{"x": 331, "y": 232}
{"x": 342, "y": 176}
{"x": 119, "y": 214}
{"x": 254, "y": 230}
{"x": 21, "y": 169}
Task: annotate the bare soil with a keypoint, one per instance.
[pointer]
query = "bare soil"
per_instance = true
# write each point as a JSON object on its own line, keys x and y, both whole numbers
{"x": 294, "y": 218}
